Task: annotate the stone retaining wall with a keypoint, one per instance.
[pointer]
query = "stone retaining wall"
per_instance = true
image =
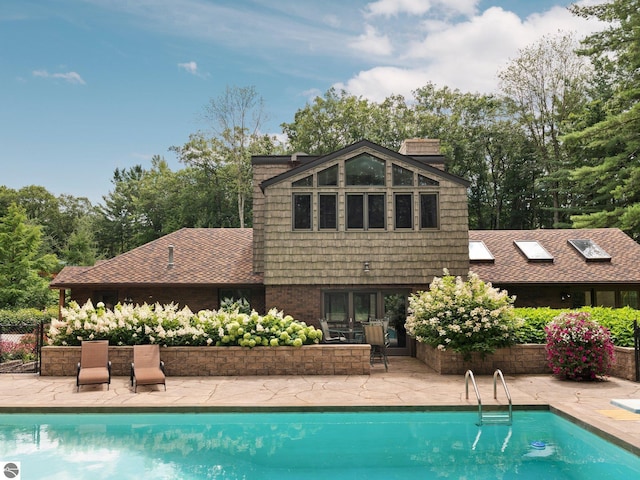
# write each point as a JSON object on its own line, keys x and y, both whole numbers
{"x": 350, "y": 359}
{"x": 519, "y": 359}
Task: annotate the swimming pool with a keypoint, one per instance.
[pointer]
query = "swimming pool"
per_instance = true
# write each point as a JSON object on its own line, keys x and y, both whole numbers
{"x": 313, "y": 445}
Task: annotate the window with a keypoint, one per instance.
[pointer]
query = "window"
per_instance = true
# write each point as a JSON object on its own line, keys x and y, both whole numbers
{"x": 328, "y": 177}
{"x": 403, "y": 210}
{"x": 590, "y": 250}
{"x": 402, "y": 177}
{"x": 302, "y": 211}
{"x": 234, "y": 294}
{"x": 303, "y": 182}
{"x": 336, "y": 306}
{"x": 428, "y": 210}
{"x": 364, "y": 170}
{"x": 355, "y": 211}
{"x": 629, "y": 298}
{"x": 364, "y": 306}
{"x": 478, "y": 252}
{"x": 108, "y": 297}
{"x": 427, "y": 182}
{"x": 605, "y": 298}
{"x": 534, "y": 251}
{"x": 327, "y": 211}
{"x": 367, "y": 206}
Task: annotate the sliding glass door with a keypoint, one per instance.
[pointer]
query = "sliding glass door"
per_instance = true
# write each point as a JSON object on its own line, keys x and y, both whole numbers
{"x": 363, "y": 306}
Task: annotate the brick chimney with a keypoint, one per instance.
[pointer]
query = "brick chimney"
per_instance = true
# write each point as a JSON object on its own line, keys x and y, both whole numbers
{"x": 420, "y": 146}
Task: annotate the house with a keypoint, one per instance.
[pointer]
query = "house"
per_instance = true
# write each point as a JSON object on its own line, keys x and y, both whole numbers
{"x": 350, "y": 235}
{"x": 193, "y": 266}
{"x": 559, "y": 268}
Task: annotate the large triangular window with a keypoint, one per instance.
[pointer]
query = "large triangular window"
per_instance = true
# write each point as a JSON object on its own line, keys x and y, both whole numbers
{"x": 365, "y": 170}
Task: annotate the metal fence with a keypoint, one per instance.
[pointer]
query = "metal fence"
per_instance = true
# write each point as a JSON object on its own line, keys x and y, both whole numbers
{"x": 20, "y": 346}
{"x": 636, "y": 345}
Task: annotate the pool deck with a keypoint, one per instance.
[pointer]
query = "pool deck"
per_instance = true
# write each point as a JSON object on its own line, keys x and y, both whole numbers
{"x": 408, "y": 383}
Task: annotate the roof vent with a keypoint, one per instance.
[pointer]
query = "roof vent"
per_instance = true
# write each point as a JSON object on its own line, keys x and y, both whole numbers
{"x": 170, "y": 264}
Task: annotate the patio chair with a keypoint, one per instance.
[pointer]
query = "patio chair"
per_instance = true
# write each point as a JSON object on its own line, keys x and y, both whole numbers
{"x": 374, "y": 335}
{"x": 94, "y": 367}
{"x": 328, "y": 336}
{"x": 147, "y": 368}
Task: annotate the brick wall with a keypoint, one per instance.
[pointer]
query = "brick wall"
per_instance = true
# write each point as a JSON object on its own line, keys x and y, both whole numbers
{"x": 196, "y": 298}
{"x": 302, "y": 302}
{"x": 350, "y": 359}
{"x": 516, "y": 360}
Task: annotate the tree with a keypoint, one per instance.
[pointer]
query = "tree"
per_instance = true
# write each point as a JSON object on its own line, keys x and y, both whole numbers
{"x": 80, "y": 248}
{"x": 338, "y": 119}
{"x": 483, "y": 144}
{"x": 546, "y": 84}
{"x": 23, "y": 269}
{"x": 118, "y": 221}
{"x": 209, "y": 184}
{"x": 236, "y": 118}
{"x": 610, "y": 181}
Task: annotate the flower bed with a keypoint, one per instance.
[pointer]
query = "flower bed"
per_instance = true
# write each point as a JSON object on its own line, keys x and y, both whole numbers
{"x": 206, "y": 343}
{"x": 466, "y": 317}
{"x": 166, "y": 325}
{"x": 516, "y": 360}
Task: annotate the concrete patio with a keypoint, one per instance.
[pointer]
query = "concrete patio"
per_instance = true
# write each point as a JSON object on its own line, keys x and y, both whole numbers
{"x": 408, "y": 383}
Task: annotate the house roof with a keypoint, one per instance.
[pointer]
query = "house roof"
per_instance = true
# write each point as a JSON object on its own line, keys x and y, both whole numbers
{"x": 224, "y": 256}
{"x": 201, "y": 256}
{"x": 511, "y": 266}
{"x": 419, "y": 161}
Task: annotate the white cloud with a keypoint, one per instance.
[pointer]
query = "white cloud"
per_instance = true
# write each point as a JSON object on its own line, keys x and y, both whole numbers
{"x": 372, "y": 43}
{"x": 388, "y": 8}
{"x": 378, "y": 83}
{"x": 466, "y": 55}
{"x": 190, "y": 67}
{"x": 71, "y": 77}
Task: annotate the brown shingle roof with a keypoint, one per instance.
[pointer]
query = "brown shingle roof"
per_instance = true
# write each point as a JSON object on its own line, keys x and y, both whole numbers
{"x": 569, "y": 266}
{"x": 202, "y": 256}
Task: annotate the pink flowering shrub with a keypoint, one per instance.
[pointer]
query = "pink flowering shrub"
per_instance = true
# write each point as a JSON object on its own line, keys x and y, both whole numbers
{"x": 578, "y": 348}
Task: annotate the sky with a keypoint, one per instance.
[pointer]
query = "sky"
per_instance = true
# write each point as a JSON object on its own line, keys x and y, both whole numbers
{"x": 88, "y": 86}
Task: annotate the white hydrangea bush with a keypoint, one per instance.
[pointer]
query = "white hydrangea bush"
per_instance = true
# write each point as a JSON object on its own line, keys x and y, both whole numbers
{"x": 168, "y": 325}
{"x": 463, "y": 316}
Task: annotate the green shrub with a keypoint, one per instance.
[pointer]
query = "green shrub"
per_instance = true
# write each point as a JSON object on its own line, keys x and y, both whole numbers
{"x": 27, "y": 315}
{"x": 619, "y": 321}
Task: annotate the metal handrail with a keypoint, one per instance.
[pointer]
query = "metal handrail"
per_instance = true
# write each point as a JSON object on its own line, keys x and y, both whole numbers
{"x": 497, "y": 373}
{"x": 467, "y": 375}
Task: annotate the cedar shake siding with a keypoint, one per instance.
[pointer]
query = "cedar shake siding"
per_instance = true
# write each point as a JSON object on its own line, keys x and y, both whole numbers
{"x": 337, "y": 257}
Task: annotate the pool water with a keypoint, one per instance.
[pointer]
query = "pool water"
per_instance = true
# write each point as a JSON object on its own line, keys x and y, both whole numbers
{"x": 315, "y": 445}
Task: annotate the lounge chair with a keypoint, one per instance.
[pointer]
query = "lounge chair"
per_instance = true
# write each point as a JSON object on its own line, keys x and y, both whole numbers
{"x": 147, "y": 368}
{"x": 374, "y": 335}
{"x": 94, "y": 367}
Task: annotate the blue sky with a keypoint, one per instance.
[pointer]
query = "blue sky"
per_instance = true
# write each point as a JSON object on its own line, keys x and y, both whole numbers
{"x": 87, "y": 86}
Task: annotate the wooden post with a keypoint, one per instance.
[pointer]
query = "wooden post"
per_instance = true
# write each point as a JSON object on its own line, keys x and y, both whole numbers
{"x": 60, "y": 303}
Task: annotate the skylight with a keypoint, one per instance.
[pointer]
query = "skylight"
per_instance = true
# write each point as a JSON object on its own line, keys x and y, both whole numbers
{"x": 590, "y": 250}
{"x": 478, "y": 252}
{"x": 534, "y": 251}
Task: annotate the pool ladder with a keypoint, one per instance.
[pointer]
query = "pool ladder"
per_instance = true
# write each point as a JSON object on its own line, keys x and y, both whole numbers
{"x": 494, "y": 416}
